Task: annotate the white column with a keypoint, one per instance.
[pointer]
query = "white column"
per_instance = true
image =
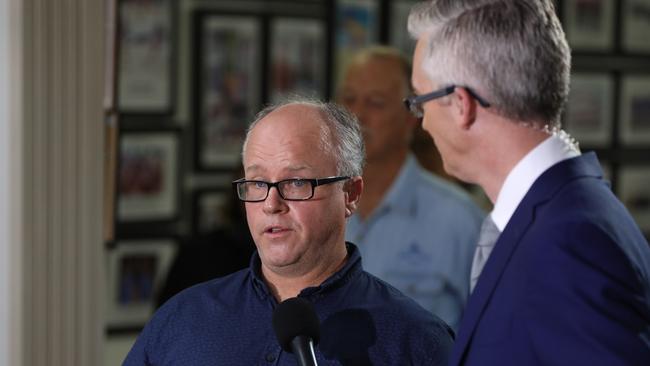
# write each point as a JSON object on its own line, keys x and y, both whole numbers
{"x": 61, "y": 148}
{"x": 11, "y": 270}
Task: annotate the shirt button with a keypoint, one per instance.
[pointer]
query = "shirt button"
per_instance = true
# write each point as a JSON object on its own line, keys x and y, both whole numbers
{"x": 270, "y": 357}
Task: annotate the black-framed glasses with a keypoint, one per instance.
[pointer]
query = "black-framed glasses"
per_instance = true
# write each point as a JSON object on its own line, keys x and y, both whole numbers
{"x": 414, "y": 102}
{"x": 297, "y": 189}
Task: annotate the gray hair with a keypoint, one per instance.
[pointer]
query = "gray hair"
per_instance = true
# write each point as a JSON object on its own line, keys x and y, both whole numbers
{"x": 381, "y": 52}
{"x": 344, "y": 142}
{"x": 513, "y": 53}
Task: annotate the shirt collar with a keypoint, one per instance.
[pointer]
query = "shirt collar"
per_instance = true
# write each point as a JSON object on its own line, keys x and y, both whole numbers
{"x": 548, "y": 153}
{"x": 401, "y": 188}
{"x": 350, "y": 269}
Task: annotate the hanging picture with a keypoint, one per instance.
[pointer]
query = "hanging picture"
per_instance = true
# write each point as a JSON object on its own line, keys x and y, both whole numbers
{"x": 356, "y": 27}
{"x": 136, "y": 271}
{"x": 399, "y": 35}
{"x": 227, "y": 83}
{"x": 635, "y": 109}
{"x": 634, "y": 188}
{"x": 589, "y": 111}
{"x": 589, "y": 24}
{"x": 636, "y": 26}
{"x": 148, "y": 176}
{"x": 297, "y": 58}
{"x": 145, "y": 56}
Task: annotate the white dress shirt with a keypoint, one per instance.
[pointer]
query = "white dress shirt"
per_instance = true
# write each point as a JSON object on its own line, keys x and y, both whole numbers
{"x": 548, "y": 153}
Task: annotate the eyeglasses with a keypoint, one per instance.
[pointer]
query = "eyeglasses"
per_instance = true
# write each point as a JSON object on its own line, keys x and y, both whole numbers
{"x": 414, "y": 102}
{"x": 289, "y": 189}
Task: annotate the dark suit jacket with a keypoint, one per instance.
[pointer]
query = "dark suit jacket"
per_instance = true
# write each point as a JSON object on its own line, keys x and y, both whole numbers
{"x": 567, "y": 282}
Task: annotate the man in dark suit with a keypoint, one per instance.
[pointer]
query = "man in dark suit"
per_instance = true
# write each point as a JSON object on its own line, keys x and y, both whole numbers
{"x": 560, "y": 273}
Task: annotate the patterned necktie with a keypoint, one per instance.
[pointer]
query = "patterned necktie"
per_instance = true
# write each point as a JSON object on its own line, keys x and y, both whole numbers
{"x": 488, "y": 236}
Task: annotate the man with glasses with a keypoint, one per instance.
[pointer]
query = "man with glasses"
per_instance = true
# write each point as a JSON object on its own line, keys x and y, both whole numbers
{"x": 303, "y": 164}
{"x": 561, "y": 271}
{"x": 414, "y": 230}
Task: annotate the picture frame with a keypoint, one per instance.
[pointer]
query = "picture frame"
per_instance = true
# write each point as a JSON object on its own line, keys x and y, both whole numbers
{"x": 399, "y": 36}
{"x": 227, "y": 83}
{"x": 136, "y": 270}
{"x": 297, "y": 58}
{"x": 636, "y": 26}
{"x": 210, "y": 209}
{"x": 589, "y": 112}
{"x": 589, "y": 24}
{"x": 147, "y": 178}
{"x": 356, "y": 26}
{"x": 634, "y": 192}
{"x": 635, "y": 109}
{"x": 145, "y": 57}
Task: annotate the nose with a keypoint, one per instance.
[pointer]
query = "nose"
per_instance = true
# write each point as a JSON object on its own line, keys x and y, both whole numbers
{"x": 274, "y": 203}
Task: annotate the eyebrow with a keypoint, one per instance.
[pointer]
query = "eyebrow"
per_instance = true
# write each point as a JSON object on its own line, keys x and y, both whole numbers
{"x": 297, "y": 168}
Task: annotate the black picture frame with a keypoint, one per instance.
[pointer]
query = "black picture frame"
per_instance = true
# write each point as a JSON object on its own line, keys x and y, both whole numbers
{"x": 211, "y": 208}
{"x": 227, "y": 83}
{"x": 148, "y": 183}
{"x": 634, "y": 110}
{"x": 297, "y": 58}
{"x": 589, "y": 24}
{"x": 146, "y": 61}
{"x": 589, "y": 114}
{"x": 136, "y": 271}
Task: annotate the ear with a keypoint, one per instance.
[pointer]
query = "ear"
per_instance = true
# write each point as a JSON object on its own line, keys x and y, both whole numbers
{"x": 465, "y": 108}
{"x": 353, "y": 189}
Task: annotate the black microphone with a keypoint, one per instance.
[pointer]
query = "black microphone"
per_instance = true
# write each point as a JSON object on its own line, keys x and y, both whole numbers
{"x": 297, "y": 328}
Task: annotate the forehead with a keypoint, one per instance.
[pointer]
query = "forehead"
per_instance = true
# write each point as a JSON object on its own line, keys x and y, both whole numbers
{"x": 375, "y": 73}
{"x": 289, "y": 139}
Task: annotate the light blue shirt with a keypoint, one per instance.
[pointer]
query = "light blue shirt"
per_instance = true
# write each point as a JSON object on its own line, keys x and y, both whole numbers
{"x": 421, "y": 239}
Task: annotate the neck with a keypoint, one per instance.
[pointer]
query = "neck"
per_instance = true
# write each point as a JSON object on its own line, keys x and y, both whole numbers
{"x": 288, "y": 284}
{"x": 378, "y": 176}
{"x": 501, "y": 155}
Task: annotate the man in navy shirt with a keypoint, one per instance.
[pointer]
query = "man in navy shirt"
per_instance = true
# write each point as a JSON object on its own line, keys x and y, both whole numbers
{"x": 303, "y": 163}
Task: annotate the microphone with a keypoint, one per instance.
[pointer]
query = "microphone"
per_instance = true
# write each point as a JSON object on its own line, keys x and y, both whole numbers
{"x": 297, "y": 328}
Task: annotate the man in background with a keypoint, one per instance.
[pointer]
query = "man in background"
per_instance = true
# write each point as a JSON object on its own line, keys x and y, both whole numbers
{"x": 414, "y": 230}
{"x": 561, "y": 271}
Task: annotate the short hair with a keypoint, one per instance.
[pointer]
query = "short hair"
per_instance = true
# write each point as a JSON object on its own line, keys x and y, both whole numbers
{"x": 345, "y": 141}
{"x": 378, "y": 52}
{"x": 512, "y": 52}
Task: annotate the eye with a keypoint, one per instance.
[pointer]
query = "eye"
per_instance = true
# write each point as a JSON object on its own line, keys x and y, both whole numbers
{"x": 298, "y": 183}
{"x": 259, "y": 184}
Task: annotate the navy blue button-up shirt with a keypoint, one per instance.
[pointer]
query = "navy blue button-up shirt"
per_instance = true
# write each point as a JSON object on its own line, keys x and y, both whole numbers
{"x": 227, "y": 321}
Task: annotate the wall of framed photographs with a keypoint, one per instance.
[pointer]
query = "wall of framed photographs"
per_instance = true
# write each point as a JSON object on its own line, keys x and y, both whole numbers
{"x": 192, "y": 74}
{"x": 609, "y": 104}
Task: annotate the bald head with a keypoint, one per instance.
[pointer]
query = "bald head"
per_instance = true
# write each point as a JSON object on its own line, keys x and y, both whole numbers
{"x": 339, "y": 132}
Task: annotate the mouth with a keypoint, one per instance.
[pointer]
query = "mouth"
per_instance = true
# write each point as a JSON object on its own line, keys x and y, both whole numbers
{"x": 275, "y": 230}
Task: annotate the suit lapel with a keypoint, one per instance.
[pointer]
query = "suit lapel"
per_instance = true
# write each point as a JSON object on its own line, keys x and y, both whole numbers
{"x": 543, "y": 188}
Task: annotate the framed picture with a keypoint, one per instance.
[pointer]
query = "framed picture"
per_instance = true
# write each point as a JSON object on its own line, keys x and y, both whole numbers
{"x": 636, "y": 15}
{"x": 399, "y": 35}
{"x": 145, "y": 56}
{"x": 589, "y": 111}
{"x": 635, "y": 109}
{"x": 227, "y": 78}
{"x": 297, "y": 58}
{"x": 357, "y": 26}
{"x": 136, "y": 271}
{"x": 634, "y": 191}
{"x": 589, "y": 24}
{"x": 148, "y": 176}
{"x": 211, "y": 208}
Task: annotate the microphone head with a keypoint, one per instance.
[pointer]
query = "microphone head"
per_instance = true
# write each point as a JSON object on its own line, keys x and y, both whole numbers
{"x": 295, "y": 317}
